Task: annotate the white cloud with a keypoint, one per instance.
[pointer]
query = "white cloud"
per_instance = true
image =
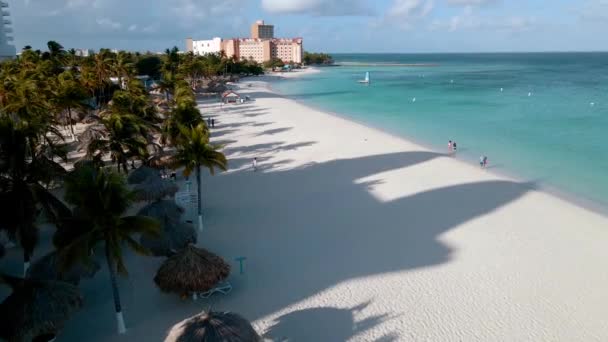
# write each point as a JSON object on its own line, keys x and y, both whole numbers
{"x": 410, "y": 8}
{"x": 108, "y": 23}
{"x": 470, "y": 2}
{"x": 131, "y": 24}
{"x": 468, "y": 20}
{"x": 406, "y": 13}
{"x": 318, "y": 7}
{"x": 594, "y": 10}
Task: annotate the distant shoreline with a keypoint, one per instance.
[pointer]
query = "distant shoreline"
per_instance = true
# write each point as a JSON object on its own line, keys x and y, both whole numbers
{"x": 387, "y": 64}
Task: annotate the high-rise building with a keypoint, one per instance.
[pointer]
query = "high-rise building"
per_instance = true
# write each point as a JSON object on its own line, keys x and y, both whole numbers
{"x": 7, "y": 50}
{"x": 259, "y": 30}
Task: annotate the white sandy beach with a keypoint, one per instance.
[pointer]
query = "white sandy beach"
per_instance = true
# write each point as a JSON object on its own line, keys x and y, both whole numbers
{"x": 353, "y": 234}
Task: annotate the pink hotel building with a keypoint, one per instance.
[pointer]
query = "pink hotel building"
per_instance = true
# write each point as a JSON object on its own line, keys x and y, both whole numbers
{"x": 262, "y": 46}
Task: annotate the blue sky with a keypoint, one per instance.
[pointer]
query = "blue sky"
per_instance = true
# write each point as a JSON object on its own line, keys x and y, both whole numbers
{"x": 325, "y": 25}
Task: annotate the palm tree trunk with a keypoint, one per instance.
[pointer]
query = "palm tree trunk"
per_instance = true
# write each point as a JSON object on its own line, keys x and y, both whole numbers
{"x": 26, "y": 262}
{"x": 71, "y": 124}
{"x": 199, "y": 199}
{"x": 120, "y": 322}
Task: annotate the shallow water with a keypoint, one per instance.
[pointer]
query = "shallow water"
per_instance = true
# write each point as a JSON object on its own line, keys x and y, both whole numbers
{"x": 549, "y": 123}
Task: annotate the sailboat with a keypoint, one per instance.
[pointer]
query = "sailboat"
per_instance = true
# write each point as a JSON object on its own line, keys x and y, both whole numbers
{"x": 366, "y": 80}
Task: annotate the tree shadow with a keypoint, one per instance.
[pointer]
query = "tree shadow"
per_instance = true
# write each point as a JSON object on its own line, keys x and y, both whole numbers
{"x": 234, "y": 125}
{"x": 304, "y": 230}
{"x": 216, "y": 134}
{"x": 261, "y": 124}
{"x": 258, "y": 149}
{"x": 322, "y": 324}
{"x": 274, "y": 131}
{"x": 326, "y": 227}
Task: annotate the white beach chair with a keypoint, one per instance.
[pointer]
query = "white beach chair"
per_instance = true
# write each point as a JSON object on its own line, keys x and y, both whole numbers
{"x": 223, "y": 288}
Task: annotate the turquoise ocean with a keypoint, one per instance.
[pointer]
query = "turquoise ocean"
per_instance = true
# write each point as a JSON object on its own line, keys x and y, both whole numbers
{"x": 548, "y": 124}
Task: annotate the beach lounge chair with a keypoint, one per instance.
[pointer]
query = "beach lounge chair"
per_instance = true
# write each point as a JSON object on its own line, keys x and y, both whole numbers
{"x": 223, "y": 288}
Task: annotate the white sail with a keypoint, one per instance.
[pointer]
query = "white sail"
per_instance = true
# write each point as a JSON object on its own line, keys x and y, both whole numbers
{"x": 366, "y": 80}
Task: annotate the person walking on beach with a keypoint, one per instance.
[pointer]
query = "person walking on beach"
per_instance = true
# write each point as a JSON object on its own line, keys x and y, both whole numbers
{"x": 450, "y": 147}
{"x": 454, "y": 146}
{"x": 481, "y": 161}
{"x": 485, "y": 162}
{"x": 208, "y": 122}
{"x": 213, "y": 123}
{"x": 255, "y": 164}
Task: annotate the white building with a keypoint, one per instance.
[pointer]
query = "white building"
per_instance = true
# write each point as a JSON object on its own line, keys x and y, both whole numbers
{"x": 203, "y": 47}
{"x": 7, "y": 50}
{"x": 84, "y": 52}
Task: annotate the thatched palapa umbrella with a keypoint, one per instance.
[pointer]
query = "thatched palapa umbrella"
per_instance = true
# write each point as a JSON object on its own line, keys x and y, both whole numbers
{"x": 172, "y": 239}
{"x": 154, "y": 188}
{"x": 213, "y": 327}
{"x": 141, "y": 174}
{"x": 174, "y": 235}
{"x": 164, "y": 210}
{"x": 36, "y": 308}
{"x": 47, "y": 268}
{"x": 191, "y": 270}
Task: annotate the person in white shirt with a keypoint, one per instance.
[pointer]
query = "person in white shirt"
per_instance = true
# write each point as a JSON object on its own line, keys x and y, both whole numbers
{"x": 255, "y": 164}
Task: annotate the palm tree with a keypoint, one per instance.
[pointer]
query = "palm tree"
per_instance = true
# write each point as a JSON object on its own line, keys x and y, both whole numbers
{"x": 100, "y": 198}
{"x": 26, "y": 164}
{"x": 122, "y": 67}
{"x": 194, "y": 151}
{"x": 185, "y": 114}
{"x": 69, "y": 95}
{"x": 102, "y": 69}
{"x": 124, "y": 131}
{"x": 118, "y": 134}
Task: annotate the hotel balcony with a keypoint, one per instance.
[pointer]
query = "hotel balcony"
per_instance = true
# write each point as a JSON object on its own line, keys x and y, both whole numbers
{"x": 6, "y": 13}
{"x": 8, "y": 30}
{"x": 3, "y": 4}
{"x": 7, "y": 22}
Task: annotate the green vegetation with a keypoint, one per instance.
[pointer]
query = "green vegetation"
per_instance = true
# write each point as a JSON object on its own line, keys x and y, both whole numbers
{"x": 44, "y": 94}
{"x": 274, "y": 63}
{"x": 311, "y": 58}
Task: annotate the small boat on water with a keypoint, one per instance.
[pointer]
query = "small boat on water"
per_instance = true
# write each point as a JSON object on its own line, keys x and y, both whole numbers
{"x": 366, "y": 80}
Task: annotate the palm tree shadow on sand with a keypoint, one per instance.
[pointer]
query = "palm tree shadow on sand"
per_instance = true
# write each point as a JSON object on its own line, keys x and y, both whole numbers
{"x": 324, "y": 324}
{"x": 308, "y": 229}
{"x": 325, "y": 228}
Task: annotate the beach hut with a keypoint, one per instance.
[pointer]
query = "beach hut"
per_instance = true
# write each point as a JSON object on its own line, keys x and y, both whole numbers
{"x": 154, "y": 189}
{"x": 47, "y": 268}
{"x": 172, "y": 238}
{"x": 141, "y": 174}
{"x": 163, "y": 210}
{"x": 213, "y": 327}
{"x": 230, "y": 97}
{"x": 36, "y": 309}
{"x": 192, "y": 270}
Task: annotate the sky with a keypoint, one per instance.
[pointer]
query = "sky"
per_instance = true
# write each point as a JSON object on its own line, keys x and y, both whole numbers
{"x": 334, "y": 26}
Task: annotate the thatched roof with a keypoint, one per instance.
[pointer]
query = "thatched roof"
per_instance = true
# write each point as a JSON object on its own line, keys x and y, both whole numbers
{"x": 166, "y": 211}
{"x": 191, "y": 270}
{"x": 161, "y": 160}
{"x": 172, "y": 239}
{"x": 154, "y": 188}
{"x": 213, "y": 327}
{"x": 36, "y": 308}
{"x": 141, "y": 174}
{"x": 47, "y": 268}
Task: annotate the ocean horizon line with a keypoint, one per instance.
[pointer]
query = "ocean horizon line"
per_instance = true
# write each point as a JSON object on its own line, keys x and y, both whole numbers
{"x": 470, "y": 53}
